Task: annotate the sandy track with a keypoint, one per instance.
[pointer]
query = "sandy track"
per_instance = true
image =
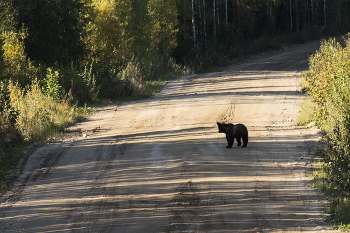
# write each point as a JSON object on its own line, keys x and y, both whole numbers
{"x": 159, "y": 165}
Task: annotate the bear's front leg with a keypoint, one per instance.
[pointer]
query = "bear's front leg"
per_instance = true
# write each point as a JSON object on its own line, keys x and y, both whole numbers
{"x": 229, "y": 141}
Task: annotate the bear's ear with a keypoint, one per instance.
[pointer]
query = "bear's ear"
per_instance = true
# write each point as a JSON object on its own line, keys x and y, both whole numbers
{"x": 218, "y": 123}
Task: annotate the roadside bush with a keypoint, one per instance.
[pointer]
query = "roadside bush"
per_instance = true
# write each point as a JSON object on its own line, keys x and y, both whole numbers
{"x": 52, "y": 86}
{"x": 38, "y": 115}
{"x": 114, "y": 84}
{"x": 79, "y": 84}
{"x": 328, "y": 84}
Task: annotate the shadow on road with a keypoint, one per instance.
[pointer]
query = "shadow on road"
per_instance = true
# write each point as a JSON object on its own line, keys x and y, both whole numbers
{"x": 152, "y": 176}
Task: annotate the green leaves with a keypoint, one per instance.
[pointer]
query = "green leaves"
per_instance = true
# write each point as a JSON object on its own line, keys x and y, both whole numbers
{"x": 51, "y": 85}
{"x": 328, "y": 81}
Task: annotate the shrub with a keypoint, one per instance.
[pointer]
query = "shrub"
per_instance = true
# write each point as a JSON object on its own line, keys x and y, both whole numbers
{"x": 40, "y": 116}
{"x": 52, "y": 86}
{"x": 114, "y": 84}
{"x": 79, "y": 84}
{"x": 328, "y": 84}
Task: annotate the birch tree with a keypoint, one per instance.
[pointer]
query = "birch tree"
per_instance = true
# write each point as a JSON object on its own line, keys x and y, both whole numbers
{"x": 193, "y": 21}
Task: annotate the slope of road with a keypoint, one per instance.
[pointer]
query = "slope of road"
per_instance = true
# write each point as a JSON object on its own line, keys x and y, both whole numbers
{"x": 160, "y": 165}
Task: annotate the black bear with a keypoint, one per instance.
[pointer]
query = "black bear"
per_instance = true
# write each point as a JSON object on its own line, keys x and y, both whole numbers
{"x": 232, "y": 132}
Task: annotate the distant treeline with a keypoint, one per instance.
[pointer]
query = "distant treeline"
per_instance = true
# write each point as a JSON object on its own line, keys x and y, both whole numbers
{"x": 110, "y": 35}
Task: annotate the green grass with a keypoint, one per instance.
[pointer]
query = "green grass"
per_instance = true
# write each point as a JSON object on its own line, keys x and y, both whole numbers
{"x": 305, "y": 113}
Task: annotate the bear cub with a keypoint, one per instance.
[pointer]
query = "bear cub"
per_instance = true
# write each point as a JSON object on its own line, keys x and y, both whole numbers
{"x": 238, "y": 132}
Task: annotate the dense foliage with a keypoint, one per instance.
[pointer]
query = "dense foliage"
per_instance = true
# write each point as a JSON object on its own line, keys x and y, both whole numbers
{"x": 328, "y": 84}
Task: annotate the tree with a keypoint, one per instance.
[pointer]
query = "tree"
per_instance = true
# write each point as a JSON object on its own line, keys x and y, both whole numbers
{"x": 108, "y": 39}
{"x": 163, "y": 25}
{"x": 55, "y": 29}
{"x": 6, "y": 25}
{"x": 139, "y": 27}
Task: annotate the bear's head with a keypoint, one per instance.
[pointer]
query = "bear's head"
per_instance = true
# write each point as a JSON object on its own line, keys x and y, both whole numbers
{"x": 224, "y": 128}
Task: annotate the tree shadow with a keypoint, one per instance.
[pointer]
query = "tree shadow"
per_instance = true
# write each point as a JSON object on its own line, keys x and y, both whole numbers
{"x": 165, "y": 182}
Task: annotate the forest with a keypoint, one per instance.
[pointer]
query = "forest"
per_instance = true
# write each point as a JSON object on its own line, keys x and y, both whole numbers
{"x": 58, "y": 56}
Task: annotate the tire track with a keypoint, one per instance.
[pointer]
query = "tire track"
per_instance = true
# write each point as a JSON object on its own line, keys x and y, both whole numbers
{"x": 100, "y": 197}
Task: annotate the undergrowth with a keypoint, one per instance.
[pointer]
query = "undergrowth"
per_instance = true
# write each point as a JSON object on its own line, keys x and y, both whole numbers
{"x": 40, "y": 116}
{"x": 338, "y": 208}
{"x": 41, "y": 111}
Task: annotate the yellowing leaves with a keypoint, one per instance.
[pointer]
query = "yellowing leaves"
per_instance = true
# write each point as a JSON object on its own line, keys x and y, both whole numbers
{"x": 39, "y": 116}
{"x": 13, "y": 47}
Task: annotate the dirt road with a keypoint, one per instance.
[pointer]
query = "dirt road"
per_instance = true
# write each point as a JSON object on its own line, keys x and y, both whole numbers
{"x": 160, "y": 165}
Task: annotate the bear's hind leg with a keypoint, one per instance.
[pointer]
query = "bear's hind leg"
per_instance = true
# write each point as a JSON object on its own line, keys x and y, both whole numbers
{"x": 245, "y": 141}
{"x": 239, "y": 141}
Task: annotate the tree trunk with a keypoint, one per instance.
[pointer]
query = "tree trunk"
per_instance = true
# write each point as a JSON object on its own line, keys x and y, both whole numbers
{"x": 297, "y": 15}
{"x": 204, "y": 22}
{"x": 291, "y": 15}
{"x": 218, "y": 14}
{"x": 324, "y": 13}
{"x": 193, "y": 22}
{"x": 312, "y": 10}
{"x": 226, "y": 13}
{"x": 214, "y": 9}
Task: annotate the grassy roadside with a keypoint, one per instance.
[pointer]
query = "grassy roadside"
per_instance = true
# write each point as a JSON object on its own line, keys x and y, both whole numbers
{"x": 20, "y": 148}
{"x": 43, "y": 119}
{"x": 305, "y": 113}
